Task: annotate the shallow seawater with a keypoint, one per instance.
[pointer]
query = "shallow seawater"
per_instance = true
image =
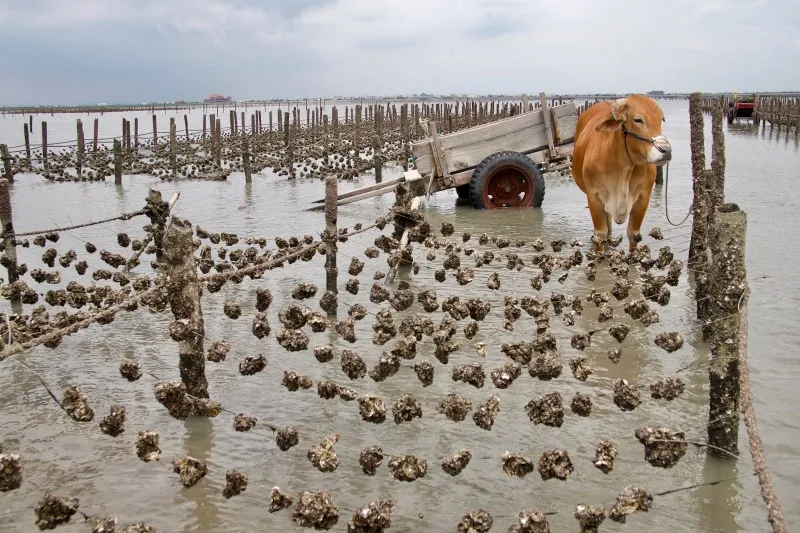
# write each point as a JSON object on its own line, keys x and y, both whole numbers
{"x": 78, "y": 460}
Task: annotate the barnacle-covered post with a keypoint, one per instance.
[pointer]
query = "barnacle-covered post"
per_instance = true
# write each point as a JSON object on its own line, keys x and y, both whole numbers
{"x": 117, "y": 162}
{"x": 248, "y": 174}
{"x": 377, "y": 146}
{"x": 331, "y": 233}
{"x": 716, "y": 179}
{"x": 7, "y": 168}
{"x": 697, "y": 145}
{"x": 9, "y": 248}
{"x": 157, "y": 210}
{"x": 173, "y": 162}
{"x": 701, "y": 206}
{"x": 218, "y": 145}
{"x": 79, "y": 156}
{"x": 184, "y": 291}
{"x": 287, "y": 131}
{"x": 727, "y": 301}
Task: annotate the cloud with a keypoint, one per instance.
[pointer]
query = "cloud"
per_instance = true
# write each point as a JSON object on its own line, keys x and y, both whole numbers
{"x": 85, "y": 51}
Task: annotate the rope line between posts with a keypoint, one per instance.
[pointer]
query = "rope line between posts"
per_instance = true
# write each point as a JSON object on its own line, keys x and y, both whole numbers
{"x": 123, "y": 216}
{"x": 72, "y": 328}
{"x": 252, "y": 269}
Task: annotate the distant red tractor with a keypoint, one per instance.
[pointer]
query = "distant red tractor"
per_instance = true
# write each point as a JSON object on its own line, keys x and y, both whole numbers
{"x": 741, "y": 107}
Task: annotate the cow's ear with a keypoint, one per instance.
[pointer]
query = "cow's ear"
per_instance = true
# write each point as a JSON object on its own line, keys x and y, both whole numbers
{"x": 609, "y": 126}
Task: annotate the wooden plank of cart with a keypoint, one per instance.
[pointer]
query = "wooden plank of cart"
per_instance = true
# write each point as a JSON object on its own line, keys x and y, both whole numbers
{"x": 492, "y": 165}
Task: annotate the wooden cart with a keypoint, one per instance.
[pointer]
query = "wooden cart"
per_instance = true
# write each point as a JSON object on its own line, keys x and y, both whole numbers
{"x": 741, "y": 107}
{"x": 492, "y": 165}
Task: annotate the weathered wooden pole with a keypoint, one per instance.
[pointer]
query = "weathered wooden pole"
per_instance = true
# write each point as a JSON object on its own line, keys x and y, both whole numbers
{"x": 184, "y": 292}
{"x": 155, "y": 131}
{"x": 117, "y": 162}
{"x": 716, "y": 181}
{"x": 289, "y": 151}
{"x": 7, "y": 166}
{"x": 700, "y": 204}
{"x": 136, "y": 134}
{"x": 377, "y": 146}
{"x": 9, "y": 247}
{"x": 173, "y": 160}
{"x": 45, "y": 162}
{"x": 95, "y": 134}
{"x": 27, "y": 136}
{"x": 331, "y": 235}
{"x": 212, "y": 128}
{"x": 248, "y": 176}
{"x": 79, "y": 158}
{"x": 157, "y": 212}
{"x": 728, "y": 294}
{"x": 218, "y": 145}
{"x": 186, "y": 126}
{"x": 357, "y": 135}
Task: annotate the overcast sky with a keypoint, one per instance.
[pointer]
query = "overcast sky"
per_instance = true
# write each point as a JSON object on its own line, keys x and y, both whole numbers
{"x": 88, "y": 51}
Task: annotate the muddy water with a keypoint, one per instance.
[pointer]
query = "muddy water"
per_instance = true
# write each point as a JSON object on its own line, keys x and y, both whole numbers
{"x": 76, "y": 459}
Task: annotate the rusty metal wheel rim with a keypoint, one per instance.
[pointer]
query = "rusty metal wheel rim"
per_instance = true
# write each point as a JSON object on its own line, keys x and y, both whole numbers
{"x": 508, "y": 187}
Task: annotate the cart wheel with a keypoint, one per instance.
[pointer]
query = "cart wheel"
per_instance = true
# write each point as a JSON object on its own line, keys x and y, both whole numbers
{"x": 463, "y": 191}
{"x": 506, "y": 179}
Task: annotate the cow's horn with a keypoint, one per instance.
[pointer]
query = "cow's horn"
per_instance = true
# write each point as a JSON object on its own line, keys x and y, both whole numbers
{"x": 616, "y": 104}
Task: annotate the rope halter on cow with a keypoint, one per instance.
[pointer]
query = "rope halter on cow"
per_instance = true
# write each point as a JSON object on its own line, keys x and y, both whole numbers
{"x": 659, "y": 141}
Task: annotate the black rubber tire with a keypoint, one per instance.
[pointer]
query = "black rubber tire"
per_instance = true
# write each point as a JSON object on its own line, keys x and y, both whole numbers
{"x": 463, "y": 191}
{"x": 731, "y": 115}
{"x": 497, "y": 161}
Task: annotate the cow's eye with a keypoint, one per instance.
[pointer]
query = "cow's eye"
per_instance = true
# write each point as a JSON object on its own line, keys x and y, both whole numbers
{"x": 638, "y": 121}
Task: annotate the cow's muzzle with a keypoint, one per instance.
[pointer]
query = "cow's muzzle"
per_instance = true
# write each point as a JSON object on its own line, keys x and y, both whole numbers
{"x": 664, "y": 150}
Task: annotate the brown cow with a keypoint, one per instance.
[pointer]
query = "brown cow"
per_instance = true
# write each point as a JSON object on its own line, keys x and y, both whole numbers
{"x": 617, "y": 148}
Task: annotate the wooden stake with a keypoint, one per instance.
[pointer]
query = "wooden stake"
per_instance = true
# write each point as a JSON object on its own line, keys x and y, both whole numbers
{"x": 377, "y": 147}
{"x": 117, "y": 162}
{"x": 45, "y": 163}
{"x": 173, "y": 161}
{"x": 700, "y": 205}
{"x": 248, "y": 177}
{"x": 184, "y": 291}
{"x": 7, "y": 222}
{"x": 728, "y": 295}
{"x": 7, "y": 166}
{"x": 155, "y": 131}
{"x": 331, "y": 235}
{"x": 79, "y": 163}
{"x": 218, "y": 148}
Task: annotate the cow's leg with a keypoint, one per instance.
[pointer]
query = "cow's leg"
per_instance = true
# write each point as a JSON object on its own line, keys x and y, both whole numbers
{"x": 609, "y": 225}
{"x": 637, "y": 217}
{"x": 599, "y": 221}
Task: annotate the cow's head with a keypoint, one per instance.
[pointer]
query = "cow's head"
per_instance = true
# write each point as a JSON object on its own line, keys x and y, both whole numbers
{"x": 640, "y": 119}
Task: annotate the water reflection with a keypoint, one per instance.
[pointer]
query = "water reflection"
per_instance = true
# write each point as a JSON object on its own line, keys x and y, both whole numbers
{"x": 718, "y": 505}
{"x": 743, "y": 129}
{"x": 203, "y": 514}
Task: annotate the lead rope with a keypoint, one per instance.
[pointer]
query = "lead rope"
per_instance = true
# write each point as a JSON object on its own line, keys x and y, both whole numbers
{"x": 666, "y": 199}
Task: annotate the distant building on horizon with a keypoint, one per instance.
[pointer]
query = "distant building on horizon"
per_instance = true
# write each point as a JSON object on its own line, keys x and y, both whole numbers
{"x": 217, "y": 98}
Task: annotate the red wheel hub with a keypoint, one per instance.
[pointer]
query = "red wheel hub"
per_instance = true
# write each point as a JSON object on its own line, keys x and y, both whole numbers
{"x": 508, "y": 187}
